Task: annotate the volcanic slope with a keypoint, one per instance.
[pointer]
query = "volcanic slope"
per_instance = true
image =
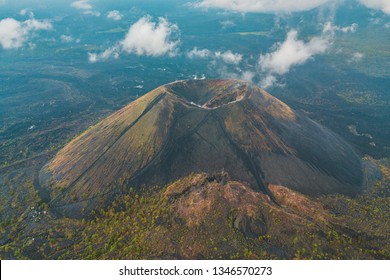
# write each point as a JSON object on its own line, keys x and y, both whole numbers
{"x": 199, "y": 126}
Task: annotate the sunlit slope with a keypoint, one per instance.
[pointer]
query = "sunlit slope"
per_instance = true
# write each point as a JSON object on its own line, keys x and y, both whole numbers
{"x": 200, "y": 126}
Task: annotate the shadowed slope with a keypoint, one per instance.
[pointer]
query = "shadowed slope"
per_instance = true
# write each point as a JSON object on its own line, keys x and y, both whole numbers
{"x": 200, "y": 126}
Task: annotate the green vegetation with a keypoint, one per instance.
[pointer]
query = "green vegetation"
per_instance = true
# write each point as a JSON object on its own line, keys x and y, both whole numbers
{"x": 363, "y": 98}
{"x": 375, "y": 58}
{"x": 207, "y": 217}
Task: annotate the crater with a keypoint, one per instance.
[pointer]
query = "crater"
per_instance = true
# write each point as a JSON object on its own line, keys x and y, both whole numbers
{"x": 209, "y": 94}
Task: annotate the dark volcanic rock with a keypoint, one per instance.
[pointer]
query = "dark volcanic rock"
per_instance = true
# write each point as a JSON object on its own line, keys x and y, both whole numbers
{"x": 200, "y": 126}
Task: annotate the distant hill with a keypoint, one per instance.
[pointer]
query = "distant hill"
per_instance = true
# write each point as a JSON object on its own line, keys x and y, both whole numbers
{"x": 199, "y": 126}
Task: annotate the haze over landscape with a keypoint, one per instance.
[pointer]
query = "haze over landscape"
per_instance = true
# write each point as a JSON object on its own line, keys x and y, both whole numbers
{"x": 185, "y": 129}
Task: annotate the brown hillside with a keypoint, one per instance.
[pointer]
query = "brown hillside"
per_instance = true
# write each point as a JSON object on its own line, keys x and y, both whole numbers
{"x": 200, "y": 126}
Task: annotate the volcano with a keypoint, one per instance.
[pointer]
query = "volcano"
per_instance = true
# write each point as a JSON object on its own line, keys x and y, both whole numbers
{"x": 199, "y": 126}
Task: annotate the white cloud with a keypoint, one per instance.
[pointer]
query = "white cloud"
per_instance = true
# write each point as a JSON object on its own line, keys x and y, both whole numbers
{"x": 293, "y": 52}
{"x": 376, "y": 21}
{"x": 228, "y": 57}
{"x": 286, "y": 6}
{"x": 69, "y": 39}
{"x": 82, "y": 5}
{"x": 33, "y": 25}
{"x": 247, "y": 76}
{"x": 85, "y": 6}
{"x": 356, "y": 57}
{"x": 113, "y": 52}
{"x": 227, "y": 24}
{"x": 290, "y": 53}
{"x": 202, "y": 53}
{"x": 263, "y": 6}
{"x": 14, "y": 34}
{"x": 383, "y": 5}
{"x": 352, "y": 28}
{"x": 24, "y": 12}
{"x": 93, "y": 57}
{"x": 268, "y": 81}
{"x": 92, "y": 13}
{"x": 146, "y": 37}
{"x": 329, "y": 27}
{"x": 115, "y": 15}
{"x": 227, "y": 73}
